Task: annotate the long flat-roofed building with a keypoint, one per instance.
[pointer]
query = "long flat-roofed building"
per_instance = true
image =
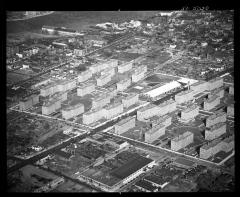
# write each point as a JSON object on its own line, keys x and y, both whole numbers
{"x": 103, "y": 79}
{"x": 199, "y": 86}
{"x": 189, "y": 113}
{"x": 123, "y": 84}
{"x": 137, "y": 75}
{"x": 212, "y": 102}
{"x": 109, "y": 71}
{"x": 100, "y": 66}
{"x": 215, "y": 131}
{"x": 166, "y": 120}
{"x": 113, "y": 110}
{"x": 167, "y": 107}
{"x": 28, "y": 102}
{"x": 162, "y": 89}
{"x": 231, "y": 90}
{"x": 215, "y": 83}
{"x": 93, "y": 116}
{"x": 48, "y": 89}
{"x": 184, "y": 96}
{"x": 125, "y": 124}
{"x": 154, "y": 133}
{"x": 216, "y": 118}
{"x": 66, "y": 85}
{"x": 100, "y": 101}
{"x": 125, "y": 67}
{"x": 210, "y": 149}
{"x": 86, "y": 88}
{"x": 228, "y": 143}
{"x": 230, "y": 110}
{"x": 60, "y": 95}
{"x": 130, "y": 100}
{"x": 84, "y": 76}
{"x": 219, "y": 92}
{"x": 73, "y": 111}
{"x": 181, "y": 141}
{"x": 148, "y": 111}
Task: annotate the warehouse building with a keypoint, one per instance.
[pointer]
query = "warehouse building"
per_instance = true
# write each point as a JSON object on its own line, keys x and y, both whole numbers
{"x": 162, "y": 89}
{"x": 215, "y": 131}
{"x": 211, "y": 102}
{"x": 123, "y": 84}
{"x": 51, "y": 106}
{"x": 28, "y": 102}
{"x": 216, "y": 118}
{"x": 100, "y": 101}
{"x": 181, "y": 141}
{"x": 85, "y": 88}
{"x": 73, "y": 111}
{"x": 231, "y": 90}
{"x": 122, "y": 68}
{"x": 184, "y": 96}
{"x": 210, "y": 149}
{"x": 148, "y": 111}
{"x": 166, "y": 120}
{"x": 167, "y": 107}
{"x": 125, "y": 125}
{"x": 215, "y": 83}
{"x": 230, "y": 110}
{"x": 66, "y": 85}
{"x": 84, "y": 76}
{"x": 199, "y": 87}
{"x": 113, "y": 110}
{"x": 154, "y": 133}
{"x": 189, "y": 113}
{"x": 130, "y": 100}
{"x": 219, "y": 92}
{"x": 103, "y": 79}
{"x": 93, "y": 116}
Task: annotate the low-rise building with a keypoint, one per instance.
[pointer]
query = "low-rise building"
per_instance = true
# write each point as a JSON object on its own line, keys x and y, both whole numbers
{"x": 86, "y": 88}
{"x": 199, "y": 87}
{"x": 230, "y": 110}
{"x": 51, "y": 106}
{"x": 28, "y": 102}
{"x": 125, "y": 67}
{"x": 66, "y": 85}
{"x": 167, "y": 107}
{"x": 100, "y": 101}
{"x": 113, "y": 110}
{"x": 103, "y": 79}
{"x": 124, "y": 125}
{"x": 184, "y": 96}
{"x": 166, "y": 120}
{"x": 212, "y": 102}
{"x": 231, "y": 90}
{"x": 210, "y": 149}
{"x": 84, "y": 76}
{"x": 189, "y": 113}
{"x": 219, "y": 92}
{"x": 137, "y": 75}
{"x": 215, "y": 83}
{"x": 93, "y": 116}
{"x": 148, "y": 111}
{"x": 215, "y": 131}
{"x": 181, "y": 141}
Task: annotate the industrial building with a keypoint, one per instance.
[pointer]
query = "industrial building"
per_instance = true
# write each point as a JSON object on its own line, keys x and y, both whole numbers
{"x": 230, "y": 110}
{"x": 125, "y": 67}
{"x": 93, "y": 116}
{"x": 154, "y": 133}
{"x": 215, "y": 83}
{"x": 84, "y": 76}
{"x": 231, "y": 90}
{"x": 215, "y": 131}
{"x": 28, "y": 102}
{"x": 123, "y": 84}
{"x": 219, "y": 92}
{"x": 184, "y": 96}
{"x": 86, "y": 88}
{"x": 199, "y": 86}
{"x": 216, "y": 118}
{"x": 189, "y": 113}
{"x": 166, "y": 120}
{"x": 103, "y": 79}
{"x": 130, "y": 100}
{"x": 113, "y": 110}
{"x": 72, "y": 111}
{"x": 162, "y": 89}
{"x": 181, "y": 141}
{"x": 100, "y": 101}
{"x": 212, "y": 102}
{"x": 125, "y": 124}
{"x": 167, "y": 107}
{"x": 51, "y": 106}
{"x": 148, "y": 111}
